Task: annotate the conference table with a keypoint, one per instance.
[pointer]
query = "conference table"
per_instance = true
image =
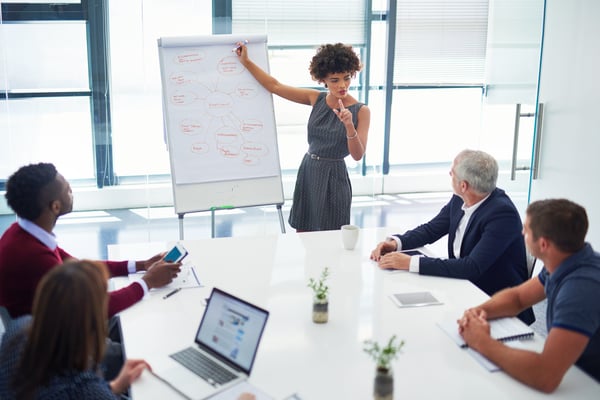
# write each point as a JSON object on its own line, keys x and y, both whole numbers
{"x": 299, "y": 359}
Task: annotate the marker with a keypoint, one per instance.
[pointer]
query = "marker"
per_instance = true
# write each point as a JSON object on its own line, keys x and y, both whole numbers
{"x": 236, "y": 48}
{"x": 214, "y": 208}
{"x": 171, "y": 293}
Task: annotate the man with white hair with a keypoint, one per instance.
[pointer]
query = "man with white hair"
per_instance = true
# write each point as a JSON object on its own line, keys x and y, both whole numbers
{"x": 483, "y": 226}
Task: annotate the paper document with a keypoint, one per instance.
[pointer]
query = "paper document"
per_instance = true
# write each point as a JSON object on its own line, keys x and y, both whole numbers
{"x": 508, "y": 330}
{"x": 234, "y": 392}
{"x": 486, "y": 363}
{"x": 187, "y": 278}
{"x": 503, "y": 329}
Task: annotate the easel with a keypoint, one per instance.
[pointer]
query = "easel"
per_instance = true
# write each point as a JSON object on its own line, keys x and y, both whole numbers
{"x": 212, "y": 219}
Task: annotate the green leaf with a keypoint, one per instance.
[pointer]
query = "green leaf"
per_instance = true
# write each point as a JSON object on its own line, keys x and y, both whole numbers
{"x": 383, "y": 356}
{"x": 319, "y": 287}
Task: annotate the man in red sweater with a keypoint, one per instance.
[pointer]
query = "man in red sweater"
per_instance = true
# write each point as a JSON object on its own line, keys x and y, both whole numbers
{"x": 39, "y": 195}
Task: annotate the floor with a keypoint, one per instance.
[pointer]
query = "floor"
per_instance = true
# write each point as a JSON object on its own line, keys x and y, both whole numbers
{"x": 88, "y": 233}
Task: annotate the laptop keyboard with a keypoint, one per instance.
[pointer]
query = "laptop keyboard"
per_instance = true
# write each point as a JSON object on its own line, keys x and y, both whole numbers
{"x": 203, "y": 366}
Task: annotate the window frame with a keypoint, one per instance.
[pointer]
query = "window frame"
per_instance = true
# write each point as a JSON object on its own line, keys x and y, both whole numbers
{"x": 93, "y": 14}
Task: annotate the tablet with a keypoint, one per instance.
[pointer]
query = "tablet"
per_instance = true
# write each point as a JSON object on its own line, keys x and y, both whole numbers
{"x": 414, "y": 299}
{"x": 412, "y": 252}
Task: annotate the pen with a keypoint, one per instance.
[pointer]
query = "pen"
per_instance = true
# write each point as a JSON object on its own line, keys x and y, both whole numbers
{"x": 171, "y": 293}
{"x": 195, "y": 276}
{"x": 235, "y": 48}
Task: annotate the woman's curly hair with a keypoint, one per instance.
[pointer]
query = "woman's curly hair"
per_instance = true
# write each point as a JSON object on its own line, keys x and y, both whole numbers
{"x": 333, "y": 59}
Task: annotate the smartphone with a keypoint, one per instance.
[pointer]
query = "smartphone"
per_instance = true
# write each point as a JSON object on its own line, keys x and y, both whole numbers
{"x": 176, "y": 254}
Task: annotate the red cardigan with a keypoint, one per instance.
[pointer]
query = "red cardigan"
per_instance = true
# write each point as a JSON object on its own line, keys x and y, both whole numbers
{"x": 23, "y": 262}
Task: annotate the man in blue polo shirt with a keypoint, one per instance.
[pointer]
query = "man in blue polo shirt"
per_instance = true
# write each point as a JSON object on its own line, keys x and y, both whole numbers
{"x": 554, "y": 232}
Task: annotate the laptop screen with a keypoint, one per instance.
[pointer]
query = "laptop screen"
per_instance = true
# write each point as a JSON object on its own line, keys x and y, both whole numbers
{"x": 232, "y": 328}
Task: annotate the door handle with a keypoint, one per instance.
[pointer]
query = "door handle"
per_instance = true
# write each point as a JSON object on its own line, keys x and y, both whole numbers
{"x": 513, "y": 166}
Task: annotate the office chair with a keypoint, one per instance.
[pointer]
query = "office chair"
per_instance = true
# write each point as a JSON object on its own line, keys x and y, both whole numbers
{"x": 6, "y": 319}
{"x": 531, "y": 260}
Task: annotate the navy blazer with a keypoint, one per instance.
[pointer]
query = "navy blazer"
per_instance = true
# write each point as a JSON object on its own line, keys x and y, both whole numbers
{"x": 492, "y": 253}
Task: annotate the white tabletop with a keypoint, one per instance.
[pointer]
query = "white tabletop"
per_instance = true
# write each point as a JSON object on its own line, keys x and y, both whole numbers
{"x": 323, "y": 361}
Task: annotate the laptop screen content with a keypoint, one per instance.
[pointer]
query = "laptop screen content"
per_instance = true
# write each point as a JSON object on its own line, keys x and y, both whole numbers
{"x": 232, "y": 328}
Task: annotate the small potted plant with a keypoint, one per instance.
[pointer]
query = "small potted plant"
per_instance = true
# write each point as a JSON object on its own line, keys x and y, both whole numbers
{"x": 320, "y": 313}
{"x": 383, "y": 356}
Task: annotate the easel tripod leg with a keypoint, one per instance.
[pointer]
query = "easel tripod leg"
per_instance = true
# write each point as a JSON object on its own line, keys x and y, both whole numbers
{"x": 281, "y": 222}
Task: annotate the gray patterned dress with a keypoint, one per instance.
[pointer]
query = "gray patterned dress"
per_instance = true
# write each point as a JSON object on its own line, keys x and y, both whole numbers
{"x": 323, "y": 194}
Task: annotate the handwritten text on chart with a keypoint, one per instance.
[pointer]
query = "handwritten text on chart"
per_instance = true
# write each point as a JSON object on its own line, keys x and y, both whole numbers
{"x": 218, "y": 110}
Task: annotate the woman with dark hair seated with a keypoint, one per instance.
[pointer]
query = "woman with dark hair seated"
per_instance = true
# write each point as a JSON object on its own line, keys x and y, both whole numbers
{"x": 56, "y": 353}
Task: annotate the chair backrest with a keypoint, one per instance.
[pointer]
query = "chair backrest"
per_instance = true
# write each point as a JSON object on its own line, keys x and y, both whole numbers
{"x": 6, "y": 319}
{"x": 530, "y": 264}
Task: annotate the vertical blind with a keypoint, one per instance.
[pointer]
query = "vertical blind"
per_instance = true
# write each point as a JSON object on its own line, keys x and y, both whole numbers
{"x": 440, "y": 42}
{"x": 306, "y": 23}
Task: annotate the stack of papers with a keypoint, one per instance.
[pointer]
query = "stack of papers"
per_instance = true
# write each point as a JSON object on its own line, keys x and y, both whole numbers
{"x": 234, "y": 392}
{"x": 187, "y": 278}
{"x": 504, "y": 329}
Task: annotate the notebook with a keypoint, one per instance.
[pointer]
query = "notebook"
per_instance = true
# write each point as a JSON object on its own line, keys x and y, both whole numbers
{"x": 226, "y": 342}
{"x": 503, "y": 329}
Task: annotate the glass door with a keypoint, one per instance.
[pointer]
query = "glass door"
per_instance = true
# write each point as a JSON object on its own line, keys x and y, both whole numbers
{"x": 508, "y": 110}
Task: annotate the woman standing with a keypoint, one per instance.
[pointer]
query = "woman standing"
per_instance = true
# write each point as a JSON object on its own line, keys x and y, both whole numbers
{"x": 338, "y": 126}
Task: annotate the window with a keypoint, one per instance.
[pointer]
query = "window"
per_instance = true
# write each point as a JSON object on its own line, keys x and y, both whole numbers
{"x": 137, "y": 125}
{"x": 302, "y": 23}
{"x": 44, "y": 89}
{"x": 80, "y": 87}
{"x": 440, "y": 42}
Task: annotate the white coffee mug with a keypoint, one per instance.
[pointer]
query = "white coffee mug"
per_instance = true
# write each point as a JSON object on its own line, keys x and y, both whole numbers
{"x": 349, "y": 236}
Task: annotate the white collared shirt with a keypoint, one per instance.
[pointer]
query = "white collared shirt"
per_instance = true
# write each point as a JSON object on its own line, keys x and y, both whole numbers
{"x": 462, "y": 225}
{"x": 49, "y": 240}
{"x": 460, "y": 234}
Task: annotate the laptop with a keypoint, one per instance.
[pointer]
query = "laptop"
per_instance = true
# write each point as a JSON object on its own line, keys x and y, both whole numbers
{"x": 226, "y": 344}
